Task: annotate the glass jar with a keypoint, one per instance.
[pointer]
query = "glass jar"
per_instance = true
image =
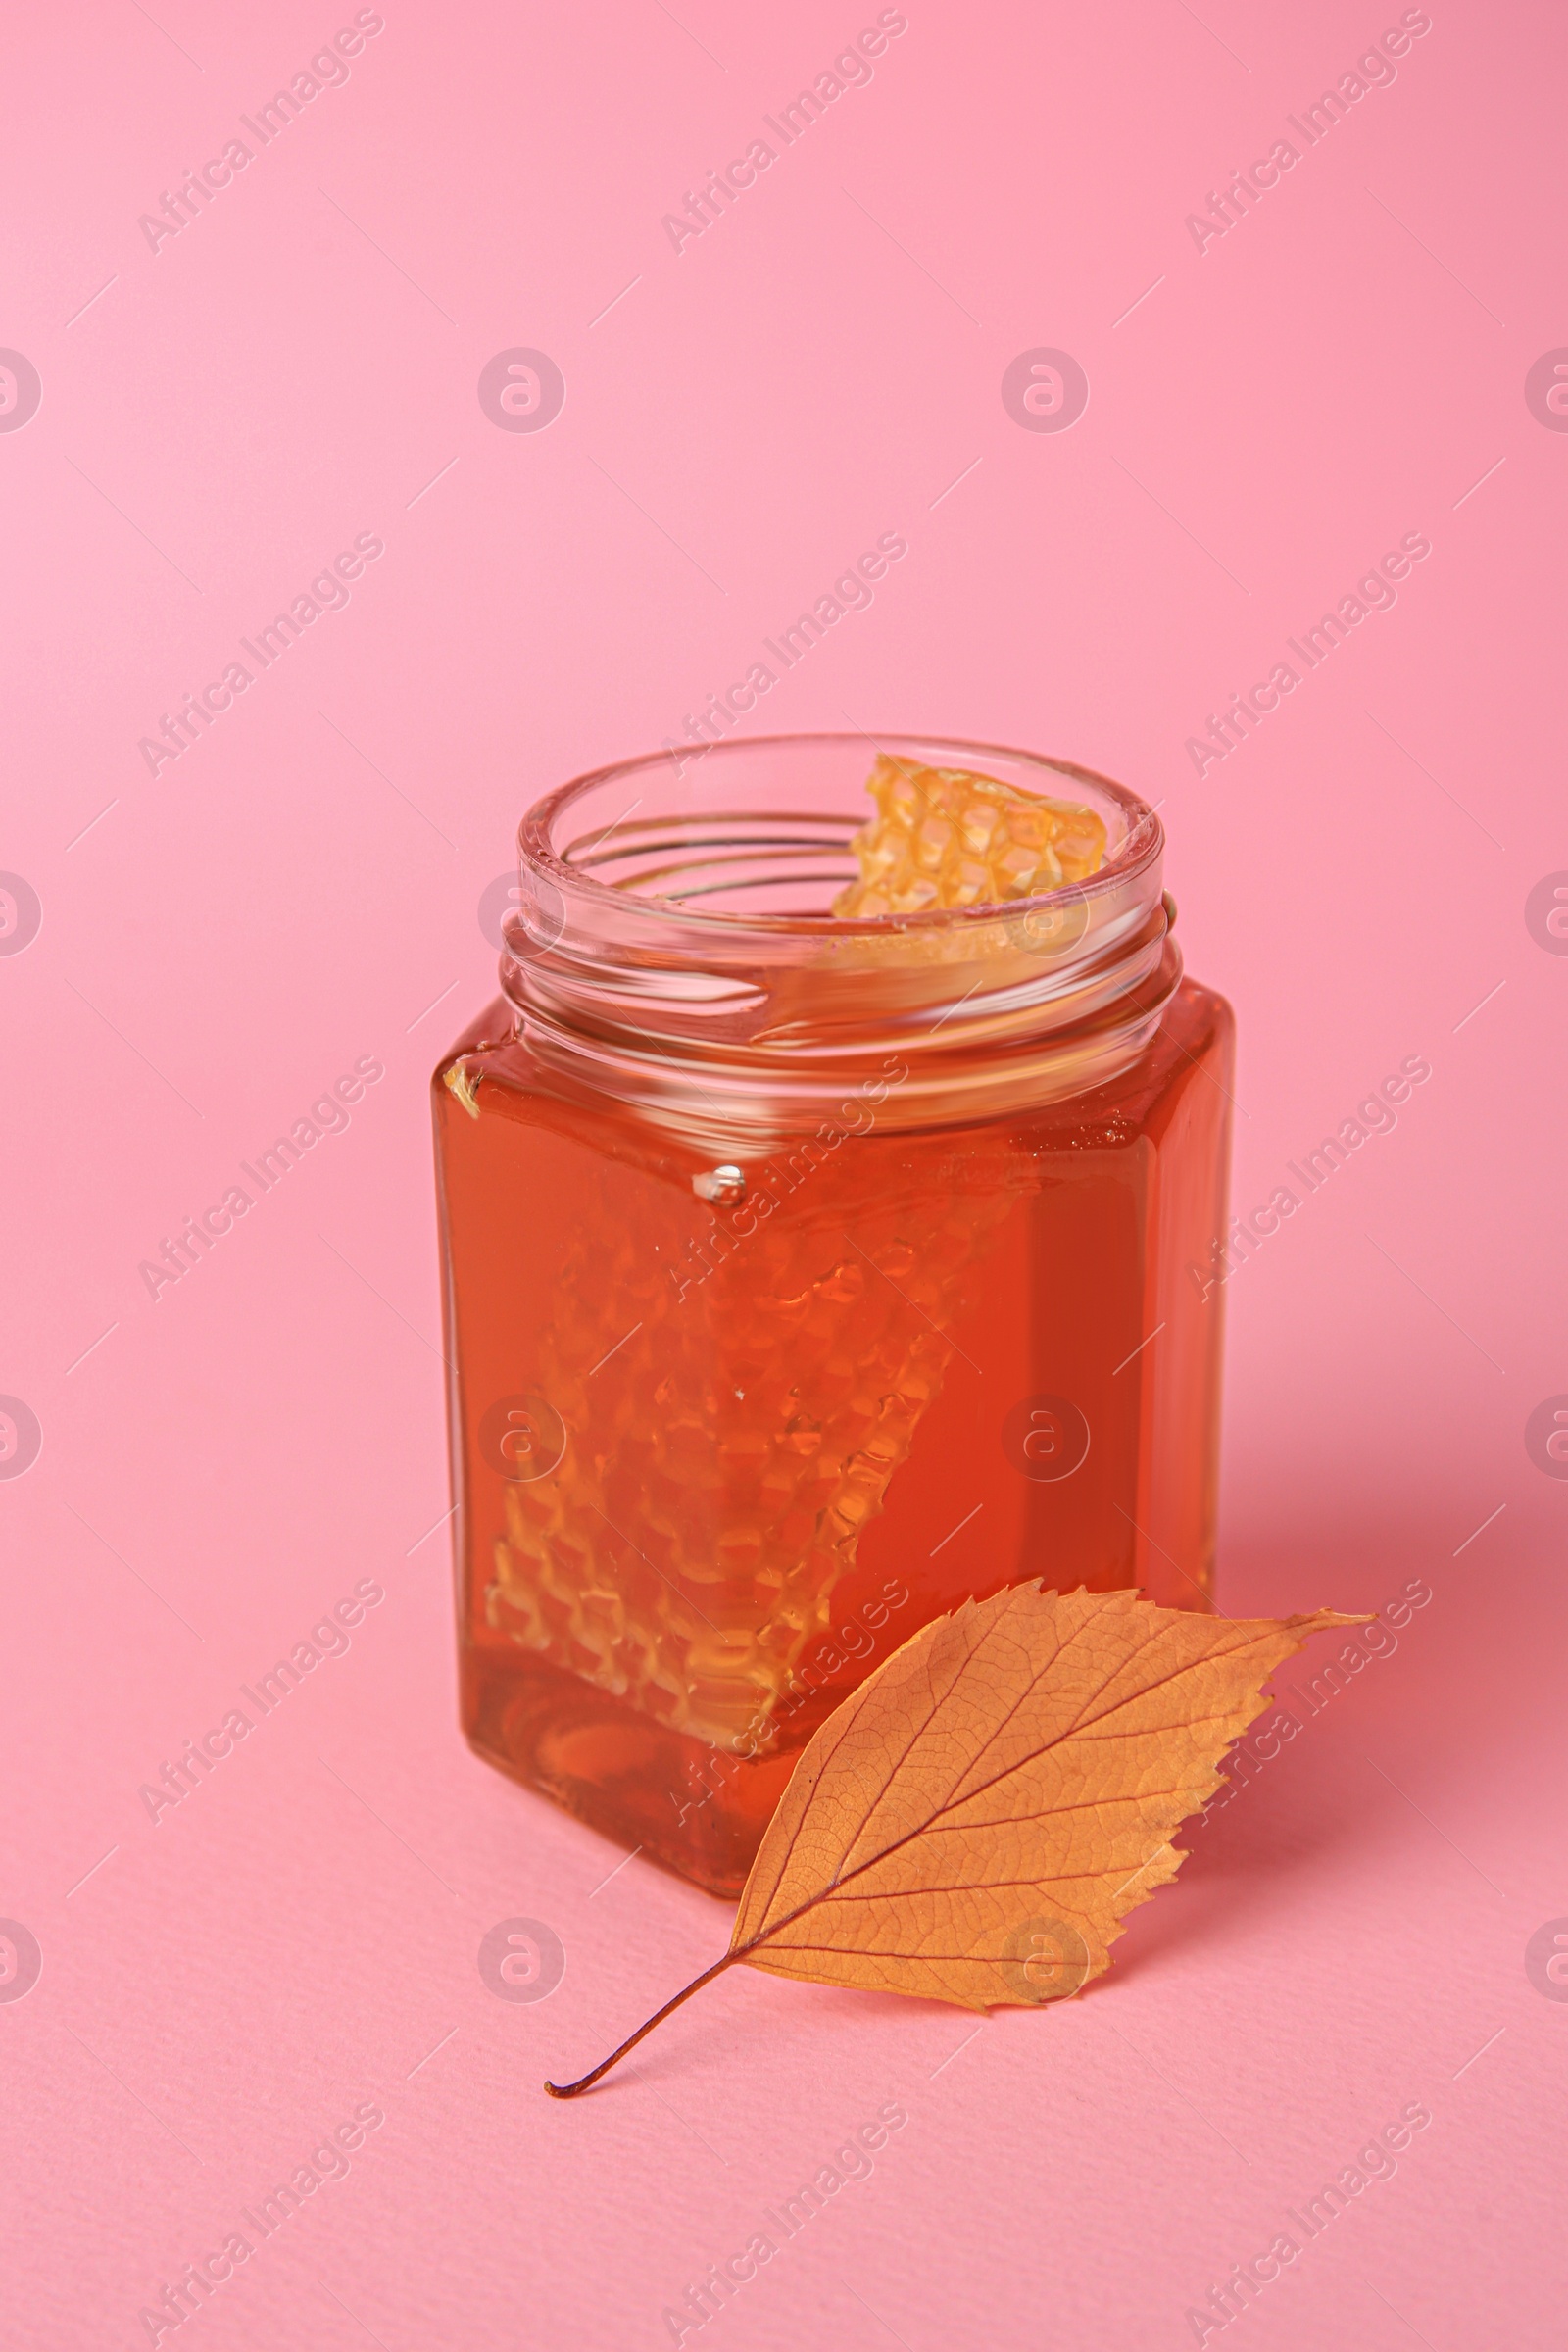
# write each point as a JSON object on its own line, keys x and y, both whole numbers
{"x": 804, "y": 1276}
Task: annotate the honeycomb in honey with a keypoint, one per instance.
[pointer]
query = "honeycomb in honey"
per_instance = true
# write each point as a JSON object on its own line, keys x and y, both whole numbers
{"x": 722, "y": 1460}
{"x": 946, "y": 837}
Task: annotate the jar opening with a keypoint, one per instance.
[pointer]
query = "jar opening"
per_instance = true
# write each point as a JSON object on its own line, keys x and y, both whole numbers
{"x": 759, "y": 829}
{"x": 675, "y": 944}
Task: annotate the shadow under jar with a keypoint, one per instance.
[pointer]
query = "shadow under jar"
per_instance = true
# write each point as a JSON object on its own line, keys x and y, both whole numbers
{"x": 804, "y": 1276}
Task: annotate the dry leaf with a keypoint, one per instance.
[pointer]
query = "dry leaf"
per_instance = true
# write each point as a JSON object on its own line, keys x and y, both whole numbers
{"x": 976, "y": 1821}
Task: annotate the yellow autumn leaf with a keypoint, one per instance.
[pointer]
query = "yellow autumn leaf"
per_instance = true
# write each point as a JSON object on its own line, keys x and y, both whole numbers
{"x": 1015, "y": 1771}
{"x": 975, "y": 1822}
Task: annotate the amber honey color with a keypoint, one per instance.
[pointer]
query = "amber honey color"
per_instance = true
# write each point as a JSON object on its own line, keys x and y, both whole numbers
{"x": 730, "y": 1425}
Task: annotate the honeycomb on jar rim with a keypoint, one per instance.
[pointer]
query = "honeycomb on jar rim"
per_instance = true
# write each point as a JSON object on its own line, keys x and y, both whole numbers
{"x": 950, "y": 837}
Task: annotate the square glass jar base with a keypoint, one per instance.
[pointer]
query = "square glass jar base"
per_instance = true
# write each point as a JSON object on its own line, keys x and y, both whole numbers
{"x": 694, "y": 1808}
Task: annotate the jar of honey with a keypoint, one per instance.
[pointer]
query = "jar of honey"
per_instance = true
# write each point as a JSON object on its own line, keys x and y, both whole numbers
{"x": 829, "y": 1205}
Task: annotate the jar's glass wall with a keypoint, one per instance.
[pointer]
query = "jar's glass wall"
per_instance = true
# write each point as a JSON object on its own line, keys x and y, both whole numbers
{"x": 716, "y": 1457}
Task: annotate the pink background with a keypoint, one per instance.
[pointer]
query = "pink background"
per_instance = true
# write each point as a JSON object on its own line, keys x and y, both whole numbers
{"x": 220, "y": 940}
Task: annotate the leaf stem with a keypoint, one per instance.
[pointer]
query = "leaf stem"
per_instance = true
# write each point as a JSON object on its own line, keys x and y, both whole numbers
{"x": 569, "y": 2091}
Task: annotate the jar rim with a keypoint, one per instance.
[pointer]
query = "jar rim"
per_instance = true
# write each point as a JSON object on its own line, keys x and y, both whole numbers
{"x": 1142, "y": 843}
{"x": 723, "y": 1025}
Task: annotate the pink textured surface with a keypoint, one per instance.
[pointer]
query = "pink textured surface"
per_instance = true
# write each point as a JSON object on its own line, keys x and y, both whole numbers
{"x": 220, "y": 940}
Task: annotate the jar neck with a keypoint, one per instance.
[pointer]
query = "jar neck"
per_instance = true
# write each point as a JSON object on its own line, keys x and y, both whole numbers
{"x": 735, "y": 1028}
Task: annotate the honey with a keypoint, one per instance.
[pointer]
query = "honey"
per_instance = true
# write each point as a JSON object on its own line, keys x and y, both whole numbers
{"x": 818, "y": 1250}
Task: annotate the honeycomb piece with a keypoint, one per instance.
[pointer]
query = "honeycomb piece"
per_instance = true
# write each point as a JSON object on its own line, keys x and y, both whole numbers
{"x": 724, "y": 1460}
{"x": 946, "y": 837}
